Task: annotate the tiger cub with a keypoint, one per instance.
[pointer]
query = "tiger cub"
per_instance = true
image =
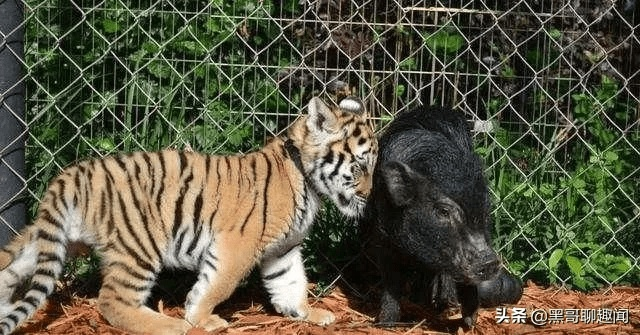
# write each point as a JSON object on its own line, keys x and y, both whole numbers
{"x": 216, "y": 215}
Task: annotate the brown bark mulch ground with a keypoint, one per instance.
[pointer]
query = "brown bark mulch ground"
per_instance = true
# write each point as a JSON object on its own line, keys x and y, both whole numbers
{"x": 573, "y": 313}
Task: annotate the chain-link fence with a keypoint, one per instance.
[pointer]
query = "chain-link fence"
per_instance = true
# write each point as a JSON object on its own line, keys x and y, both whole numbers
{"x": 551, "y": 88}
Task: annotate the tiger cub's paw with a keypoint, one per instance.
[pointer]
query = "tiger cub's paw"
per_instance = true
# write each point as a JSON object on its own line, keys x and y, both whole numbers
{"x": 213, "y": 322}
{"x": 320, "y": 316}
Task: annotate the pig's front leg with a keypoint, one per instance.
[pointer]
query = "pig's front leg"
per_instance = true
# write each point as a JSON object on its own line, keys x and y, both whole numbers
{"x": 393, "y": 282}
{"x": 469, "y": 303}
{"x": 389, "y": 306}
{"x": 443, "y": 292}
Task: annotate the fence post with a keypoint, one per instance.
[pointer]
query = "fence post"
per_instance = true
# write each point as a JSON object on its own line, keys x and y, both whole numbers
{"x": 12, "y": 125}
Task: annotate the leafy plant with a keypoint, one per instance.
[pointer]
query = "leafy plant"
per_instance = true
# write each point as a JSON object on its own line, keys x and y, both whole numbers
{"x": 569, "y": 226}
{"x": 150, "y": 79}
{"x": 587, "y": 265}
{"x": 332, "y": 243}
{"x": 444, "y": 41}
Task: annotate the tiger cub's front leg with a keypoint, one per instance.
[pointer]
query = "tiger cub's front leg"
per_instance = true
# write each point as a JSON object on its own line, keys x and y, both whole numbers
{"x": 219, "y": 276}
{"x": 284, "y": 278}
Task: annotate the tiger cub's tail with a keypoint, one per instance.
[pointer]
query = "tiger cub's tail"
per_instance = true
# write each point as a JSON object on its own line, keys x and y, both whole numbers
{"x": 29, "y": 268}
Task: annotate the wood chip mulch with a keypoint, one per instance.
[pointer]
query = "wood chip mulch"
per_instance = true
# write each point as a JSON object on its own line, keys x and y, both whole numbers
{"x": 613, "y": 311}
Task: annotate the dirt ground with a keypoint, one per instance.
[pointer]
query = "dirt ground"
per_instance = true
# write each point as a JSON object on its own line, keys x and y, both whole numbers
{"x": 615, "y": 311}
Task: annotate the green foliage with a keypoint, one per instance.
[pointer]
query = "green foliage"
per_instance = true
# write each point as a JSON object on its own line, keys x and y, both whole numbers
{"x": 131, "y": 75}
{"x": 82, "y": 273}
{"x": 332, "y": 243}
{"x": 83, "y": 266}
{"x": 587, "y": 265}
{"x": 583, "y": 224}
{"x": 444, "y": 41}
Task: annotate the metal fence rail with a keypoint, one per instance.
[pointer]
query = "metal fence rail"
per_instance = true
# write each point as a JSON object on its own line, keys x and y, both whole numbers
{"x": 551, "y": 88}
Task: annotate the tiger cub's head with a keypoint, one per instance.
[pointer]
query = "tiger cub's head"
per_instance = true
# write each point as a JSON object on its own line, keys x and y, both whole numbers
{"x": 338, "y": 150}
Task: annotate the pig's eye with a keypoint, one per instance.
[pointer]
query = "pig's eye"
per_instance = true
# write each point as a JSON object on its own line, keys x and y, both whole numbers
{"x": 442, "y": 211}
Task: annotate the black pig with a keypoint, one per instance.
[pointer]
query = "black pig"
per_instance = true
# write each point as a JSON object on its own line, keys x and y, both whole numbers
{"x": 429, "y": 210}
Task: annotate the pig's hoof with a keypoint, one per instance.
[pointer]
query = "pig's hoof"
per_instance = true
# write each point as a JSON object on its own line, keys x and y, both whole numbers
{"x": 388, "y": 318}
{"x": 469, "y": 321}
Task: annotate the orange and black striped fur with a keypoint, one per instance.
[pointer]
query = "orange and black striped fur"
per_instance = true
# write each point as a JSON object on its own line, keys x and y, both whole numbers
{"x": 216, "y": 215}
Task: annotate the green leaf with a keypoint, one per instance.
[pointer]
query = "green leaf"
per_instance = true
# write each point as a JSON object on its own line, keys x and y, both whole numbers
{"x": 109, "y": 26}
{"x": 610, "y": 156}
{"x": 106, "y": 144}
{"x": 554, "y": 259}
{"x": 579, "y": 183}
{"x": 547, "y": 189}
{"x": 408, "y": 64}
{"x": 508, "y": 72}
{"x": 214, "y": 25}
{"x": 621, "y": 265}
{"x": 528, "y": 193}
{"x": 580, "y": 282}
{"x": 159, "y": 69}
{"x": 445, "y": 42}
{"x": 555, "y": 33}
{"x": 150, "y": 47}
{"x": 575, "y": 266}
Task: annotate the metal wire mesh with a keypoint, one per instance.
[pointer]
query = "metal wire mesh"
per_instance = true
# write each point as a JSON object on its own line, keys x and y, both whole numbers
{"x": 551, "y": 88}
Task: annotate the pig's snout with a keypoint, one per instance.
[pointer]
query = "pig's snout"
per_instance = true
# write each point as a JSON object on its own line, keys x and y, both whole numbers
{"x": 482, "y": 258}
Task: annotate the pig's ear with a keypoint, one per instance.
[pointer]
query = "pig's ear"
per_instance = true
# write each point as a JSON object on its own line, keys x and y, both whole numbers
{"x": 400, "y": 181}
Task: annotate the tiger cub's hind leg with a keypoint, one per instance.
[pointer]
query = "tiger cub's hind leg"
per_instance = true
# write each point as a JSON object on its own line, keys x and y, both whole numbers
{"x": 127, "y": 284}
{"x": 284, "y": 278}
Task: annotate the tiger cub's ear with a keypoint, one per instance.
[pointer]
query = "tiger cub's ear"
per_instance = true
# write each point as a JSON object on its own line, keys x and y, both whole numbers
{"x": 321, "y": 117}
{"x": 353, "y": 105}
